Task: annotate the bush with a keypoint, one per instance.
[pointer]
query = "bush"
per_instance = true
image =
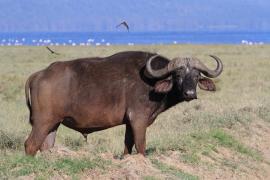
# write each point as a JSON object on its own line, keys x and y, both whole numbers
{"x": 10, "y": 141}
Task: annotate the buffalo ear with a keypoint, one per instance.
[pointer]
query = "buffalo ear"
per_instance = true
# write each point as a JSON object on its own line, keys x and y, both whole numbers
{"x": 164, "y": 86}
{"x": 206, "y": 84}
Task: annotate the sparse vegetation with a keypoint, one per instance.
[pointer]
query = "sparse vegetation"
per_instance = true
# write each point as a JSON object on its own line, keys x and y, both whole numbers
{"x": 226, "y": 140}
{"x": 21, "y": 165}
{"x": 9, "y": 141}
{"x": 206, "y": 142}
{"x": 236, "y": 118}
{"x": 149, "y": 178}
{"x": 73, "y": 143}
{"x": 173, "y": 171}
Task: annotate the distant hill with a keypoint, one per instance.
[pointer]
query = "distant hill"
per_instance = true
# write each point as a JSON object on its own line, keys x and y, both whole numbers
{"x": 151, "y": 15}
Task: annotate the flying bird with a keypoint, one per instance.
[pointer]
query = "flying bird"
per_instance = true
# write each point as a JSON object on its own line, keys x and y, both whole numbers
{"x": 53, "y": 52}
{"x": 124, "y": 23}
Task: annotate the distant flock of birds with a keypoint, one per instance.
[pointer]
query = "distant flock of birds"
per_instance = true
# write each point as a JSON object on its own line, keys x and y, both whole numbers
{"x": 47, "y": 42}
{"x": 251, "y": 43}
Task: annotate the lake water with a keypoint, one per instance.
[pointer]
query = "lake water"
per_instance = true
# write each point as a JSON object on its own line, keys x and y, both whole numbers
{"x": 133, "y": 38}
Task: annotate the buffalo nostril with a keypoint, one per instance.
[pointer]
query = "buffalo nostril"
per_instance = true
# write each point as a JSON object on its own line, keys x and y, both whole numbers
{"x": 189, "y": 93}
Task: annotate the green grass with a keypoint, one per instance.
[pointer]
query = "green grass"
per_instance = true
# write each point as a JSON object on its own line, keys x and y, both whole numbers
{"x": 74, "y": 166}
{"x": 227, "y": 140}
{"x": 14, "y": 166}
{"x": 20, "y": 165}
{"x": 149, "y": 178}
{"x": 205, "y": 142}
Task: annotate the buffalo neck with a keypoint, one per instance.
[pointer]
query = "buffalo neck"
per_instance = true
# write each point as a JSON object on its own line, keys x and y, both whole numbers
{"x": 165, "y": 101}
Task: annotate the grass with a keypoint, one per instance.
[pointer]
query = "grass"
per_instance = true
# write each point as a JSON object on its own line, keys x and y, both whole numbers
{"x": 193, "y": 128}
{"x": 74, "y": 144}
{"x": 149, "y": 178}
{"x": 20, "y": 165}
{"x": 200, "y": 131}
{"x": 164, "y": 168}
{"x": 10, "y": 141}
{"x": 217, "y": 137}
{"x": 191, "y": 158}
{"x": 264, "y": 113}
{"x": 227, "y": 140}
{"x": 74, "y": 166}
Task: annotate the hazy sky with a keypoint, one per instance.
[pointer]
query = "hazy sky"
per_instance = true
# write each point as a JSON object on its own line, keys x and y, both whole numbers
{"x": 142, "y": 15}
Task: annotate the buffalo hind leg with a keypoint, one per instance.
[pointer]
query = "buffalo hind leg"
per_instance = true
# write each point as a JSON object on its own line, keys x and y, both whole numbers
{"x": 139, "y": 132}
{"x": 49, "y": 140}
{"x": 129, "y": 140}
{"x": 37, "y": 136}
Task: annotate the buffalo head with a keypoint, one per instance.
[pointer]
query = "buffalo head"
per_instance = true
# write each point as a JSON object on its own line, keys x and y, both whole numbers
{"x": 182, "y": 74}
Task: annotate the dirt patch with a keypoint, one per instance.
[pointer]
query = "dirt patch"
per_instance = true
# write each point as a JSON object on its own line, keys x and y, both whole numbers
{"x": 130, "y": 167}
{"x": 58, "y": 176}
{"x": 137, "y": 166}
{"x": 28, "y": 177}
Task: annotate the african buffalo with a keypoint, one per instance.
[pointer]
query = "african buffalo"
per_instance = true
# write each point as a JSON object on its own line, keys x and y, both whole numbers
{"x": 93, "y": 94}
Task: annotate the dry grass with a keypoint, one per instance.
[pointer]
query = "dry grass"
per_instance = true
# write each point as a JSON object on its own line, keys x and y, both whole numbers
{"x": 242, "y": 96}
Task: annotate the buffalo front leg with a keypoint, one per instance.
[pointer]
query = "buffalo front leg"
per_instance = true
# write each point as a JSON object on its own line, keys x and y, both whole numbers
{"x": 129, "y": 140}
{"x": 139, "y": 132}
{"x": 49, "y": 140}
{"x": 37, "y": 137}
